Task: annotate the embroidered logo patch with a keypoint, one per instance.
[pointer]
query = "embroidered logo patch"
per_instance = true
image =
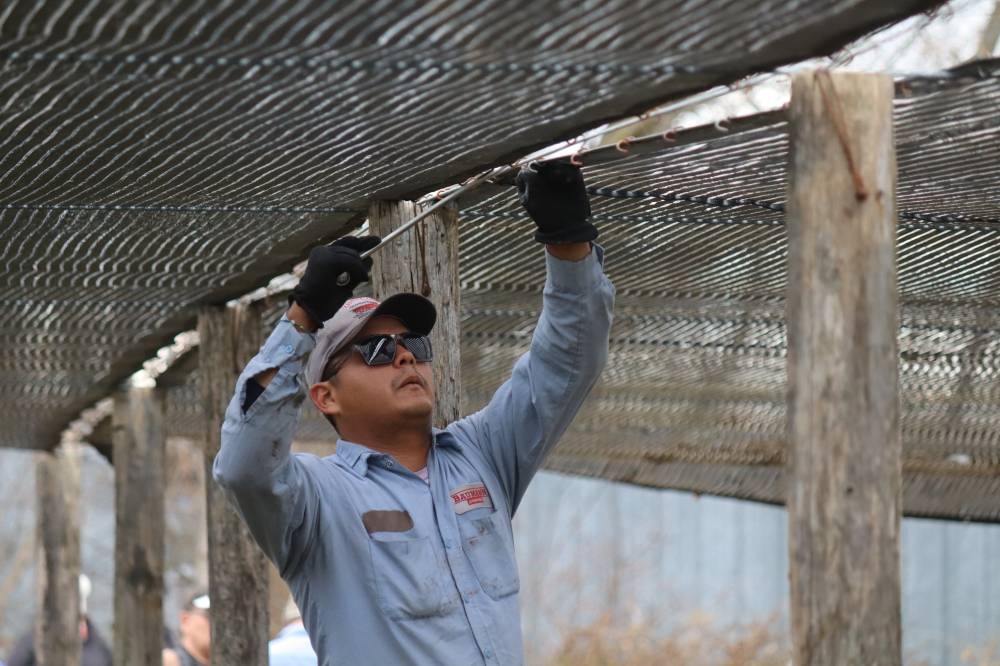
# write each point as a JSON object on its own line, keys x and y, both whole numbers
{"x": 470, "y": 496}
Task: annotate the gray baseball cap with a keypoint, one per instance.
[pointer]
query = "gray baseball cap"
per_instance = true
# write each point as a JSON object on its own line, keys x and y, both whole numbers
{"x": 416, "y": 312}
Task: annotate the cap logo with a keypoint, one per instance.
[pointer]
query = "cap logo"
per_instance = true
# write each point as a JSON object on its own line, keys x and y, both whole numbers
{"x": 361, "y": 306}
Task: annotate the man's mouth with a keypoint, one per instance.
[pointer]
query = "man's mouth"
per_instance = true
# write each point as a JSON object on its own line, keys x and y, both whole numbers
{"x": 412, "y": 379}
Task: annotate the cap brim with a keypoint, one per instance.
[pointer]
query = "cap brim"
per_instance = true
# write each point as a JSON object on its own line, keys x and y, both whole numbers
{"x": 416, "y": 312}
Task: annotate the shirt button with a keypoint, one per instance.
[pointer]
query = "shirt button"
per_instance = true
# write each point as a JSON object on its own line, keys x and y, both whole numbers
{"x": 488, "y": 653}
{"x": 448, "y": 544}
{"x": 288, "y": 349}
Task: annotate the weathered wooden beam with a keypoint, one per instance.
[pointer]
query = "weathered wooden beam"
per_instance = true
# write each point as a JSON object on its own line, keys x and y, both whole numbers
{"x": 237, "y": 568}
{"x": 101, "y": 438}
{"x": 180, "y": 370}
{"x": 139, "y": 454}
{"x": 843, "y": 400}
{"x": 425, "y": 261}
{"x": 57, "y": 632}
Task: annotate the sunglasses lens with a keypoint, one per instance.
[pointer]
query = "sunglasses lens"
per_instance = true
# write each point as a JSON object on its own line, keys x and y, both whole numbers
{"x": 419, "y": 346}
{"x": 381, "y": 349}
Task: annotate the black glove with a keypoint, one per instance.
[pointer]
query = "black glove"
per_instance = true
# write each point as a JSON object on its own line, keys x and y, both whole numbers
{"x": 331, "y": 275}
{"x": 556, "y": 199}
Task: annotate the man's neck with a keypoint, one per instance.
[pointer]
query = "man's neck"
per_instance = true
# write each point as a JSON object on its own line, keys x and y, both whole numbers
{"x": 407, "y": 445}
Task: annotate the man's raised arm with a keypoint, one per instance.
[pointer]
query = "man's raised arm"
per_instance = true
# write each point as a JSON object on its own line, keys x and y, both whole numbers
{"x": 529, "y": 413}
{"x": 269, "y": 487}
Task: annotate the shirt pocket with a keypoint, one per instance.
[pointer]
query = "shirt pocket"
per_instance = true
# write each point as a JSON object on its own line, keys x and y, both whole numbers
{"x": 409, "y": 580}
{"x": 489, "y": 545}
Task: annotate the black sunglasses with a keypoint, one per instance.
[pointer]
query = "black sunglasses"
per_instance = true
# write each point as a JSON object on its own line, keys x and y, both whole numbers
{"x": 381, "y": 349}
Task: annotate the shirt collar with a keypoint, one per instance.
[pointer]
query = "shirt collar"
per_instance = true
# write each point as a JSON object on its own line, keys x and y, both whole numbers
{"x": 356, "y": 455}
{"x": 443, "y": 439}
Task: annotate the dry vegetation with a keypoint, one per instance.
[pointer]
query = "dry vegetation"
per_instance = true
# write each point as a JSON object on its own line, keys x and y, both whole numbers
{"x": 696, "y": 642}
{"x": 699, "y": 641}
{"x": 989, "y": 654}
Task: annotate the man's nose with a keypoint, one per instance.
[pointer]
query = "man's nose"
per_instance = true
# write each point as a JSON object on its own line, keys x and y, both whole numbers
{"x": 403, "y": 356}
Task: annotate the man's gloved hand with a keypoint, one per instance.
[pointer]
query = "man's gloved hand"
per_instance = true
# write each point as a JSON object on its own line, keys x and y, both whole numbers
{"x": 556, "y": 199}
{"x": 331, "y": 275}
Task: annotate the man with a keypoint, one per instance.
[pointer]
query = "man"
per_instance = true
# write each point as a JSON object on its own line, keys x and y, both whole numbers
{"x": 195, "y": 648}
{"x": 399, "y": 548}
{"x": 291, "y": 647}
{"x": 94, "y": 651}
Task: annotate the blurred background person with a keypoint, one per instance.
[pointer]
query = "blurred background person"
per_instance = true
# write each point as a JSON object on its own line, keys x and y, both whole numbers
{"x": 94, "y": 650}
{"x": 195, "y": 645}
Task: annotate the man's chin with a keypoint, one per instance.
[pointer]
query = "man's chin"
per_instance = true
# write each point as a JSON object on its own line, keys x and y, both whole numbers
{"x": 417, "y": 408}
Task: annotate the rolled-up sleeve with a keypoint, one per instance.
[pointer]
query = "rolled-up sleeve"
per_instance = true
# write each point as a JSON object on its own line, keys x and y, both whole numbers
{"x": 530, "y": 411}
{"x": 271, "y": 488}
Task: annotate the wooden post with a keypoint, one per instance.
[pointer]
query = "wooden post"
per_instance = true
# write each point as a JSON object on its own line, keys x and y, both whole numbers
{"x": 843, "y": 401}
{"x": 139, "y": 453}
{"x": 425, "y": 260}
{"x": 237, "y": 568}
{"x": 57, "y": 633}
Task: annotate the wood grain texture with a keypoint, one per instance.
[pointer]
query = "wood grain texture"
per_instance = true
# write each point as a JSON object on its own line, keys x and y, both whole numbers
{"x": 237, "y": 567}
{"x": 425, "y": 260}
{"x": 57, "y": 638}
{"x": 139, "y": 442}
{"x": 843, "y": 401}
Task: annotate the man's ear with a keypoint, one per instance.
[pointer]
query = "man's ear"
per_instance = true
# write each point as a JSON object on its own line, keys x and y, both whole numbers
{"x": 324, "y": 396}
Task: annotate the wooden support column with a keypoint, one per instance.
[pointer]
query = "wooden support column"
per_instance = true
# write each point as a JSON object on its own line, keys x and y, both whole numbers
{"x": 843, "y": 401}
{"x": 139, "y": 445}
{"x": 57, "y": 632}
{"x": 237, "y": 568}
{"x": 425, "y": 260}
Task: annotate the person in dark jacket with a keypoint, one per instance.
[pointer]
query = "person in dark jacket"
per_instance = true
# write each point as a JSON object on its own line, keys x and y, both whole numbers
{"x": 94, "y": 650}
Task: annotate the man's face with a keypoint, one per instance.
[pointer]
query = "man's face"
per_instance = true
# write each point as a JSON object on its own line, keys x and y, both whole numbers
{"x": 397, "y": 393}
{"x": 196, "y": 630}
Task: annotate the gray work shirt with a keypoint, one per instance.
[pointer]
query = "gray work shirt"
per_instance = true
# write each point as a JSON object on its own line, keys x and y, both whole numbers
{"x": 386, "y": 568}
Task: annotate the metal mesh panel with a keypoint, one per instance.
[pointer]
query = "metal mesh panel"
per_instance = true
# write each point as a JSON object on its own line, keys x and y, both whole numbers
{"x": 86, "y": 292}
{"x": 694, "y": 393}
{"x": 154, "y": 156}
{"x": 693, "y": 396}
